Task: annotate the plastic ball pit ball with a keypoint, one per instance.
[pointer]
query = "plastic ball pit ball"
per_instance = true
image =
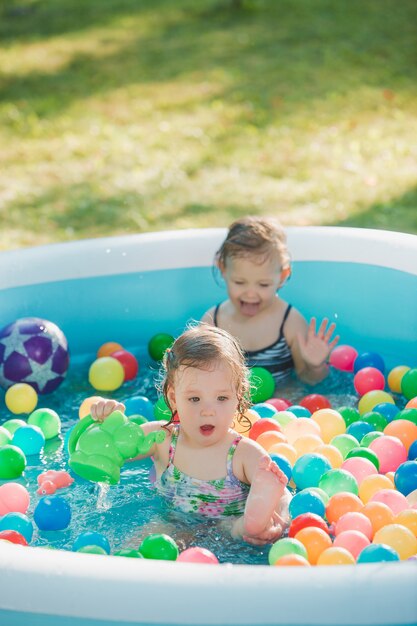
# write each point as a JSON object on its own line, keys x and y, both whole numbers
{"x": 262, "y": 384}
{"x": 406, "y": 477}
{"x": 12, "y": 462}
{"x": 18, "y": 522}
{"x": 5, "y": 437}
{"x": 131, "y": 554}
{"x": 309, "y": 469}
{"x": 92, "y": 550}
{"x": 315, "y": 402}
{"x": 369, "y": 359}
{"x": 91, "y": 538}
{"x": 197, "y": 555}
{"x": 343, "y": 357}
{"x": 263, "y": 425}
{"x": 21, "y": 398}
{"x": 106, "y": 374}
{"x": 409, "y": 384}
{"x": 13, "y": 424}
{"x": 292, "y": 560}
{"x": 377, "y": 553}
{"x": 33, "y": 351}
{"x": 286, "y": 546}
{"x": 14, "y": 498}
{"x": 30, "y": 439}
{"x": 158, "y": 345}
{"x": 160, "y": 547}
{"x": 307, "y": 520}
{"x": 336, "y": 556}
{"x": 13, "y": 536}
{"x": 52, "y": 513}
{"x": 398, "y": 537}
{"x": 47, "y": 420}
{"x": 107, "y": 348}
{"x": 368, "y": 379}
{"x": 395, "y": 377}
{"x": 128, "y": 362}
{"x": 139, "y": 405}
{"x": 337, "y": 480}
{"x": 315, "y": 540}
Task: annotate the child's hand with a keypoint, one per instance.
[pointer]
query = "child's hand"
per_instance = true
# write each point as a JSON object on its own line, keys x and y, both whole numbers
{"x": 316, "y": 347}
{"x": 104, "y": 407}
{"x": 272, "y": 533}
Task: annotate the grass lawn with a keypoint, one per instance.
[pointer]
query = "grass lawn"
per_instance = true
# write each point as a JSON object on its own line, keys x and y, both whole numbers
{"x": 121, "y": 116}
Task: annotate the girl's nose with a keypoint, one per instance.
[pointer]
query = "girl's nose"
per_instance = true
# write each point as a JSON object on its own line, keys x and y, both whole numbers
{"x": 207, "y": 410}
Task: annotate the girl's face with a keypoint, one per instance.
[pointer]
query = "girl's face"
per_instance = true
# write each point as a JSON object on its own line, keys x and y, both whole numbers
{"x": 252, "y": 284}
{"x": 206, "y": 402}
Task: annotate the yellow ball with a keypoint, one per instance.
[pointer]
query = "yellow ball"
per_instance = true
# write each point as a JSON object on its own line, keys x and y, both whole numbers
{"x": 286, "y": 450}
{"x": 372, "y": 398}
{"x": 86, "y": 405}
{"x": 106, "y": 374}
{"x": 21, "y": 398}
{"x": 407, "y": 518}
{"x": 331, "y": 423}
{"x": 332, "y": 454}
{"x": 370, "y": 485}
{"x": 398, "y": 537}
{"x": 244, "y": 423}
{"x": 306, "y": 444}
{"x": 335, "y": 556}
{"x": 395, "y": 377}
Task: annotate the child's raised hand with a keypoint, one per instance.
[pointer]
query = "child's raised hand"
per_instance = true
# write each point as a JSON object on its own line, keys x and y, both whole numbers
{"x": 316, "y": 347}
{"x": 104, "y": 407}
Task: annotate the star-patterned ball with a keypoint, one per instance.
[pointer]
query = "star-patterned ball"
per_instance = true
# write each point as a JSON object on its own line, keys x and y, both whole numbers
{"x": 33, "y": 351}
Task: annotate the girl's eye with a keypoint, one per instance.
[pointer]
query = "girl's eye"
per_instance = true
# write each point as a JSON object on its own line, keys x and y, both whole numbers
{"x": 194, "y": 399}
{"x": 265, "y": 285}
{"x": 222, "y": 398}
{"x": 238, "y": 282}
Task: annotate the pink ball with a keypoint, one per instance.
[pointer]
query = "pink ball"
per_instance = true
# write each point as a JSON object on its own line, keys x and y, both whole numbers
{"x": 354, "y": 521}
{"x": 343, "y": 358}
{"x": 368, "y": 379}
{"x": 395, "y": 500}
{"x": 390, "y": 451}
{"x": 359, "y": 467}
{"x": 353, "y": 541}
{"x": 14, "y": 498}
{"x": 280, "y": 404}
{"x": 197, "y": 555}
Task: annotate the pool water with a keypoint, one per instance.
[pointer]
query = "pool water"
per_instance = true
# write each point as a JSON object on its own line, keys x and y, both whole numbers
{"x": 125, "y": 513}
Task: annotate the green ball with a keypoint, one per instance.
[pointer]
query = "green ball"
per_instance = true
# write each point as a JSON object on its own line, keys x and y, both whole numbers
{"x": 161, "y": 410}
{"x": 47, "y": 420}
{"x": 5, "y": 437}
{"x": 409, "y": 384}
{"x": 375, "y": 419}
{"x": 13, "y": 424}
{"x": 132, "y": 554}
{"x": 158, "y": 345}
{"x": 262, "y": 384}
{"x": 160, "y": 547}
{"x": 364, "y": 453}
{"x": 285, "y": 546}
{"x": 92, "y": 550}
{"x": 337, "y": 480}
{"x": 344, "y": 443}
{"x": 12, "y": 462}
{"x": 405, "y": 414}
{"x": 138, "y": 419}
{"x": 370, "y": 437}
{"x": 349, "y": 414}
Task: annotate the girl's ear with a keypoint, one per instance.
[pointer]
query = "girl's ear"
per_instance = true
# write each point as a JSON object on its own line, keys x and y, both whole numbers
{"x": 285, "y": 275}
{"x": 171, "y": 399}
{"x": 221, "y": 267}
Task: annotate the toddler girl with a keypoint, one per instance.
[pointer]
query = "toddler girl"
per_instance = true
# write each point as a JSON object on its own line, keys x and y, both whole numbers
{"x": 254, "y": 262}
{"x": 204, "y": 467}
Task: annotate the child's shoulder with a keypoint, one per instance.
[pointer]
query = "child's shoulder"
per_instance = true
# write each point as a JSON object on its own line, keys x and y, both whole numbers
{"x": 209, "y": 315}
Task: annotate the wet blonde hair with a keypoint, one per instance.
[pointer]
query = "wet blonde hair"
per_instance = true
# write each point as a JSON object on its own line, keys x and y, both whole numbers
{"x": 255, "y": 236}
{"x": 201, "y": 346}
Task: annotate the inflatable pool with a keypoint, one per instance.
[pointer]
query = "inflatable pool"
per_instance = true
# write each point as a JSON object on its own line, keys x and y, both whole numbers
{"x": 364, "y": 280}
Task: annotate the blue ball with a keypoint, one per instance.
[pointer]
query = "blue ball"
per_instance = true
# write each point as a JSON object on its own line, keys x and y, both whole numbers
{"x": 139, "y": 405}
{"x": 91, "y": 538}
{"x": 283, "y": 464}
{"x": 359, "y": 429}
{"x": 405, "y": 478}
{"x": 388, "y": 410}
{"x": 299, "y": 411}
{"x": 30, "y": 439}
{"x": 18, "y": 522}
{"x": 377, "y": 552}
{"x": 52, "y": 513}
{"x": 412, "y": 452}
{"x": 306, "y": 501}
{"x": 308, "y": 470}
{"x": 369, "y": 359}
{"x": 264, "y": 410}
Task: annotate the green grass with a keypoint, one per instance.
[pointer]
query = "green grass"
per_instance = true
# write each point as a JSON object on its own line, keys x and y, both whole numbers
{"x": 121, "y": 116}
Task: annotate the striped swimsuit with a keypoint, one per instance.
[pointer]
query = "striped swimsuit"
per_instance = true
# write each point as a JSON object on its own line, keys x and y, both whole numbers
{"x": 223, "y": 497}
{"x": 276, "y": 358}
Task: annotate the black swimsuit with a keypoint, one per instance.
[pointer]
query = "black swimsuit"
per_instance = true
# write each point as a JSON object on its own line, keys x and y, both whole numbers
{"x": 276, "y": 358}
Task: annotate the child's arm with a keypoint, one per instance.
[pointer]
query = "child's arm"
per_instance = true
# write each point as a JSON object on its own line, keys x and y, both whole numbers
{"x": 310, "y": 347}
{"x": 261, "y": 523}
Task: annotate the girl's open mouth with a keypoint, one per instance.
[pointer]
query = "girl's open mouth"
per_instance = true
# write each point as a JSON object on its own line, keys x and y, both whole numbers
{"x": 206, "y": 429}
{"x": 249, "y": 308}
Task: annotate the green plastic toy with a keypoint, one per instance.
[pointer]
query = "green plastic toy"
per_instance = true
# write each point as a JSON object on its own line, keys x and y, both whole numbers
{"x": 97, "y": 450}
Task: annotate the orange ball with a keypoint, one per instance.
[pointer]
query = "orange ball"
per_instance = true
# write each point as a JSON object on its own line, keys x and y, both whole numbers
{"x": 336, "y": 556}
{"x": 341, "y": 503}
{"x": 107, "y": 348}
{"x": 332, "y": 454}
{"x": 306, "y": 444}
{"x": 404, "y": 430}
{"x": 379, "y": 514}
{"x": 412, "y": 404}
{"x": 331, "y": 423}
{"x": 315, "y": 540}
{"x": 299, "y": 427}
{"x": 372, "y": 484}
{"x": 395, "y": 376}
{"x": 292, "y": 559}
{"x": 269, "y": 438}
{"x": 244, "y": 423}
{"x": 286, "y": 450}
{"x": 86, "y": 405}
{"x": 407, "y": 518}
{"x": 398, "y": 537}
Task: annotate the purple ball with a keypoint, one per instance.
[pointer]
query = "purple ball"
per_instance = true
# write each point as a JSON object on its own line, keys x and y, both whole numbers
{"x": 33, "y": 351}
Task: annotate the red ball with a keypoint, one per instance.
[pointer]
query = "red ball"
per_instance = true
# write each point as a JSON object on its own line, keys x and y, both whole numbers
{"x": 280, "y": 404}
{"x": 13, "y": 536}
{"x": 262, "y": 425}
{"x": 343, "y": 358}
{"x": 314, "y": 402}
{"x": 128, "y": 361}
{"x": 305, "y": 520}
{"x": 368, "y": 379}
